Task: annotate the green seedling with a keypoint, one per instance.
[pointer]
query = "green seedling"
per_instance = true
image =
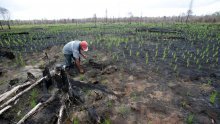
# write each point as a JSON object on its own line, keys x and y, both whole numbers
{"x": 19, "y": 60}
{"x": 215, "y": 54}
{"x": 33, "y": 103}
{"x": 188, "y": 93}
{"x": 187, "y": 63}
{"x": 107, "y": 121}
{"x": 147, "y": 58}
{"x": 134, "y": 96}
{"x": 183, "y": 103}
{"x": 174, "y": 55}
{"x": 117, "y": 57}
{"x": 190, "y": 119}
{"x": 175, "y": 68}
{"x": 139, "y": 45}
{"x": 165, "y": 53}
{"x": 156, "y": 52}
{"x": 213, "y": 97}
{"x": 149, "y": 122}
{"x": 137, "y": 54}
{"x": 207, "y": 61}
{"x": 183, "y": 55}
{"x": 175, "y": 59}
{"x": 33, "y": 98}
{"x": 191, "y": 55}
{"x": 82, "y": 77}
{"x": 123, "y": 54}
{"x": 76, "y": 121}
{"x": 109, "y": 103}
{"x": 197, "y": 61}
{"x": 123, "y": 110}
{"x": 209, "y": 82}
{"x": 1, "y": 43}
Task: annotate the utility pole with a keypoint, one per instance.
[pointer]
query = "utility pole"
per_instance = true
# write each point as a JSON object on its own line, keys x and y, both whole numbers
{"x": 106, "y": 16}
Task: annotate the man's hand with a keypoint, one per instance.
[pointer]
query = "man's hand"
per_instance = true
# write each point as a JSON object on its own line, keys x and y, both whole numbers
{"x": 81, "y": 71}
{"x": 84, "y": 56}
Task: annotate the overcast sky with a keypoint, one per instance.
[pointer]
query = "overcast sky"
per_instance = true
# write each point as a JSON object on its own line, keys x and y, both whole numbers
{"x": 56, "y": 9}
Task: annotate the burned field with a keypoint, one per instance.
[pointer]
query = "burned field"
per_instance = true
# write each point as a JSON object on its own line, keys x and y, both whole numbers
{"x": 136, "y": 73}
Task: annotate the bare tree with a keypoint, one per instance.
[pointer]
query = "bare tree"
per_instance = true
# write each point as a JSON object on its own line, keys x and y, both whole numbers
{"x": 95, "y": 19}
{"x": 2, "y": 11}
{"x": 215, "y": 16}
{"x": 141, "y": 18}
{"x": 1, "y": 24}
{"x": 189, "y": 12}
{"x": 5, "y": 15}
{"x": 131, "y": 16}
{"x": 182, "y": 15}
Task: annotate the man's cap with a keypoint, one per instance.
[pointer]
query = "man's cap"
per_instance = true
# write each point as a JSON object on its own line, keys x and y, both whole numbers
{"x": 84, "y": 45}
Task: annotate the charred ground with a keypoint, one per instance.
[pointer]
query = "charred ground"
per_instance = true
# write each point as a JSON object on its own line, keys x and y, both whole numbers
{"x": 138, "y": 73}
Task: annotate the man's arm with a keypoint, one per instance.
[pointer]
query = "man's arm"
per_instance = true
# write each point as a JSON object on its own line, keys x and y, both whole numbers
{"x": 79, "y": 66}
{"x": 84, "y": 56}
{"x": 76, "y": 56}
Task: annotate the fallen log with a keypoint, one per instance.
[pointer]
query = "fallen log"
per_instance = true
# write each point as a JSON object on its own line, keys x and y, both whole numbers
{"x": 5, "y": 109}
{"x": 13, "y": 91}
{"x": 21, "y": 93}
{"x": 30, "y": 113}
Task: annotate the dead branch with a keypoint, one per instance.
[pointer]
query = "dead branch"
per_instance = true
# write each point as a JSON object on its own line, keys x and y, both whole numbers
{"x": 21, "y": 93}
{"x": 2, "y": 95}
{"x": 13, "y": 91}
{"x": 5, "y": 109}
{"x": 45, "y": 104}
{"x": 30, "y": 113}
{"x": 62, "y": 108}
{"x": 38, "y": 108}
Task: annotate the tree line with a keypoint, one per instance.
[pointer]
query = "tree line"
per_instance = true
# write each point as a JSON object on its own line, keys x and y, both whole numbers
{"x": 183, "y": 18}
